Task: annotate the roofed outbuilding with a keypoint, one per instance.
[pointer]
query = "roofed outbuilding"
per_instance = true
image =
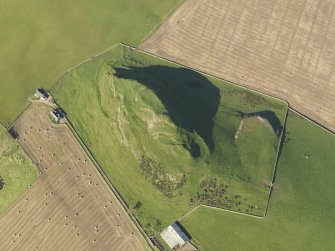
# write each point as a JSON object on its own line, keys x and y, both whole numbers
{"x": 174, "y": 236}
{"x": 41, "y": 94}
{"x": 57, "y": 114}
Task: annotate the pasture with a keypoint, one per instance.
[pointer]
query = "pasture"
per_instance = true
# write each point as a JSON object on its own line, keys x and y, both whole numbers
{"x": 69, "y": 207}
{"x": 283, "y": 48}
{"x": 40, "y": 40}
{"x": 301, "y": 211}
{"x": 17, "y": 171}
{"x": 166, "y": 135}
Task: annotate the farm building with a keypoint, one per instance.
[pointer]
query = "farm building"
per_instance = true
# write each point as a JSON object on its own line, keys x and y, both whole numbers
{"x": 174, "y": 236}
{"x": 57, "y": 114}
{"x": 41, "y": 94}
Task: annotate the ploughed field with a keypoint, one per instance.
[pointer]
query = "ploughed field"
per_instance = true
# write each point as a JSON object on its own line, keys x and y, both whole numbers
{"x": 69, "y": 207}
{"x": 170, "y": 138}
{"x": 284, "y": 48}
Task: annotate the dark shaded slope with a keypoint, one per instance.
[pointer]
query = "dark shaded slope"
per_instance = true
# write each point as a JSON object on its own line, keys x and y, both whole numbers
{"x": 189, "y": 98}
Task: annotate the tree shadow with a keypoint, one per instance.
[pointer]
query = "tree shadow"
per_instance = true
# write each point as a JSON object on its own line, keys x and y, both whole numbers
{"x": 13, "y": 132}
{"x": 190, "y": 99}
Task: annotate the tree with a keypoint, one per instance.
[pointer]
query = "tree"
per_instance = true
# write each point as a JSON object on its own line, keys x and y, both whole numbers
{"x": 138, "y": 204}
{"x": 2, "y": 183}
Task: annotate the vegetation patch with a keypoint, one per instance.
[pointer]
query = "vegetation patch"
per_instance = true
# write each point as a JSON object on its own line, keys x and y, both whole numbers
{"x": 163, "y": 134}
{"x": 213, "y": 194}
{"x": 2, "y": 183}
{"x": 17, "y": 171}
{"x": 166, "y": 183}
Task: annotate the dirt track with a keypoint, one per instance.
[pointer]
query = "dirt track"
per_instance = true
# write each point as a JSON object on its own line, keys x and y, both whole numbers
{"x": 283, "y": 48}
{"x": 69, "y": 207}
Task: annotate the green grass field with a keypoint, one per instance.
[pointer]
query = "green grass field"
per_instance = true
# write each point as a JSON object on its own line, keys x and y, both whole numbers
{"x": 165, "y": 135}
{"x": 40, "y": 40}
{"x": 16, "y": 170}
{"x": 301, "y": 211}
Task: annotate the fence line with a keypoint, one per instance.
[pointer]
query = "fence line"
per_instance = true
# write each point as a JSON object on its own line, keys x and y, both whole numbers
{"x": 12, "y": 123}
{"x": 183, "y": 216}
{"x": 235, "y": 212}
{"x": 113, "y": 189}
{"x": 81, "y": 63}
{"x": 157, "y": 26}
{"x": 203, "y": 73}
{"x": 313, "y": 121}
{"x": 276, "y": 161}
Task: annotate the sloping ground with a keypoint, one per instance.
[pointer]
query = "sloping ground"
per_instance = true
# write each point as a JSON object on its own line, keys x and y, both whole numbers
{"x": 16, "y": 170}
{"x": 40, "y": 40}
{"x": 280, "y": 47}
{"x": 69, "y": 207}
{"x": 165, "y": 135}
{"x": 301, "y": 212}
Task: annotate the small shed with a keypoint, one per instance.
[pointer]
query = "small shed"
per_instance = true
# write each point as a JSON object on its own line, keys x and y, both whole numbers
{"x": 57, "y": 114}
{"x": 41, "y": 94}
{"x": 174, "y": 236}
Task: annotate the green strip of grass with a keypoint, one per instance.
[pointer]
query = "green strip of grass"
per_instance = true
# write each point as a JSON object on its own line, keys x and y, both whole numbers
{"x": 16, "y": 170}
{"x": 40, "y": 40}
{"x": 301, "y": 212}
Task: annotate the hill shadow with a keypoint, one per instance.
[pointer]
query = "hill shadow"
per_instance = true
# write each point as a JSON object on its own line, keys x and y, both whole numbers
{"x": 270, "y": 116}
{"x": 190, "y": 99}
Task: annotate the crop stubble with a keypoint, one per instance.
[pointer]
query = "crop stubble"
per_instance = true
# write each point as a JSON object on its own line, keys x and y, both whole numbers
{"x": 69, "y": 207}
{"x": 280, "y": 47}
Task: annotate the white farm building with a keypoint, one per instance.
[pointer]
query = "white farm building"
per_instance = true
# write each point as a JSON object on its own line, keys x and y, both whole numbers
{"x": 174, "y": 236}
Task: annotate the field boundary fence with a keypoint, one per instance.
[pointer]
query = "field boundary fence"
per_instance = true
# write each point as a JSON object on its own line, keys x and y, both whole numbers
{"x": 313, "y": 121}
{"x": 110, "y": 185}
{"x": 279, "y": 149}
{"x": 203, "y": 73}
{"x": 157, "y": 26}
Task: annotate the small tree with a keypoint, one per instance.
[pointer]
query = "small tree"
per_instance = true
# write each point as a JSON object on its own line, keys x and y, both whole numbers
{"x": 138, "y": 204}
{"x": 2, "y": 183}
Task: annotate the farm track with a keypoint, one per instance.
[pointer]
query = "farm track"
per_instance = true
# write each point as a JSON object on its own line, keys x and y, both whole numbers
{"x": 279, "y": 47}
{"x": 69, "y": 207}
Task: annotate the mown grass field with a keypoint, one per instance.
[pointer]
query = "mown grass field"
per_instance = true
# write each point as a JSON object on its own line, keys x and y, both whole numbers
{"x": 16, "y": 170}
{"x": 40, "y": 40}
{"x": 165, "y": 135}
{"x": 301, "y": 212}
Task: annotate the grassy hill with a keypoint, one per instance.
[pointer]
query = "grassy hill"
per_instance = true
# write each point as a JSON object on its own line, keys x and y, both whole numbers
{"x": 170, "y": 138}
{"x": 16, "y": 170}
{"x": 301, "y": 211}
{"x": 42, "y": 39}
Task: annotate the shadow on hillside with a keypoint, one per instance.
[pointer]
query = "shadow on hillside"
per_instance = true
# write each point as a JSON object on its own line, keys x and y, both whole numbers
{"x": 189, "y": 98}
{"x": 271, "y": 117}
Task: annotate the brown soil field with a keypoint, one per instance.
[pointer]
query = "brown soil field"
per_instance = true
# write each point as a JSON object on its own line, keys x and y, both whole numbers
{"x": 280, "y": 47}
{"x": 69, "y": 207}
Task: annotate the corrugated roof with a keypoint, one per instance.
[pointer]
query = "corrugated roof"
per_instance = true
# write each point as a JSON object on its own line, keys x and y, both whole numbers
{"x": 174, "y": 236}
